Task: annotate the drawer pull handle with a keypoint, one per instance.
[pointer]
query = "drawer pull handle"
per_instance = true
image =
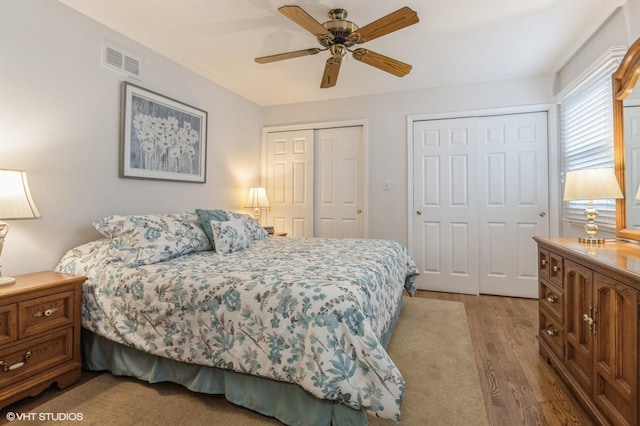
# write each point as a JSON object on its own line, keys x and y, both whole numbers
{"x": 544, "y": 262}
{"x": 556, "y": 269}
{"x": 45, "y": 313}
{"x": 6, "y": 367}
{"x": 552, "y": 298}
{"x": 550, "y": 330}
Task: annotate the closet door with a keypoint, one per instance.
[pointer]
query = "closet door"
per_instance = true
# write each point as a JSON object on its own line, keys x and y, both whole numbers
{"x": 513, "y": 201}
{"x": 339, "y": 183}
{"x": 445, "y": 202}
{"x": 316, "y": 182}
{"x": 480, "y": 195}
{"x": 289, "y": 182}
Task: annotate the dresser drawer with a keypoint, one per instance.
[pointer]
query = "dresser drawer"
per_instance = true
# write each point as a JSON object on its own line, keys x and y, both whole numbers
{"x": 543, "y": 264}
{"x": 556, "y": 270}
{"x": 35, "y": 356}
{"x": 552, "y": 299}
{"x": 8, "y": 321}
{"x": 552, "y": 333}
{"x": 36, "y": 316}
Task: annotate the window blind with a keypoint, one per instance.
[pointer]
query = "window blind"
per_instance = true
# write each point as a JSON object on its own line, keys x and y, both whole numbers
{"x": 586, "y": 137}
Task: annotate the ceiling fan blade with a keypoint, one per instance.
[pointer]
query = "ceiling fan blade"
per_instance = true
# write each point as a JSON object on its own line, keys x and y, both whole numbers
{"x": 306, "y": 21}
{"x": 392, "y": 22}
{"x": 382, "y": 62}
{"x": 331, "y": 70}
{"x": 288, "y": 55}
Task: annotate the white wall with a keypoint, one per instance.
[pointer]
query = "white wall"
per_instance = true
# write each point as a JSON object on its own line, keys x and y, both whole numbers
{"x": 387, "y": 117}
{"x": 613, "y": 32}
{"x": 59, "y": 120}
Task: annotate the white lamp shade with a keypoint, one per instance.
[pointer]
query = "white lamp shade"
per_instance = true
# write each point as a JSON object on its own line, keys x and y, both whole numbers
{"x": 15, "y": 198}
{"x": 591, "y": 184}
{"x": 257, "y": 199}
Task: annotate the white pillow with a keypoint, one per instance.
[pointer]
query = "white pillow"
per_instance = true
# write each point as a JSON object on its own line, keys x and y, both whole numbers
{"x": 229, "y": 235}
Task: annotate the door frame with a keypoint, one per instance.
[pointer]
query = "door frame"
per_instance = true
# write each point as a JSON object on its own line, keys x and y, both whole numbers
{"x": 553, "y": 155}
{"x": 364, "y": 123}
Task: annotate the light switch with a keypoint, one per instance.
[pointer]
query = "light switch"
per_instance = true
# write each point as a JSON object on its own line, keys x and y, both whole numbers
{"x": 386, "y": 185}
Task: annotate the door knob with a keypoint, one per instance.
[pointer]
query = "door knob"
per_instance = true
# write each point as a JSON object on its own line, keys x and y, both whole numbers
{"x": 418, "y": 212}
{"x": 359, "y": 211}
{"x": 542, "y": 214}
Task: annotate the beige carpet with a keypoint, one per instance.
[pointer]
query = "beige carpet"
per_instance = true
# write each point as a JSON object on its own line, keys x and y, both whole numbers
{"x": 431, "y": 346}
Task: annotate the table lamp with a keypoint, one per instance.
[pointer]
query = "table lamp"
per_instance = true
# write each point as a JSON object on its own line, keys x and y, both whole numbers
{"x": 257, "y": 200}
{"x": 589, "y": 185}
{"x": 15, "y": 203}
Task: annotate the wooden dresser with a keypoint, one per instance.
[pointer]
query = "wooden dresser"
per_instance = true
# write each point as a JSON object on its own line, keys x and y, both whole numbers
{"x": 589, "y": 312}
{"x": 39, "y": 334}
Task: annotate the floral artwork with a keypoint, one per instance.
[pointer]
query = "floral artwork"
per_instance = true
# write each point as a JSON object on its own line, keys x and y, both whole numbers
{"x": 162, "y": 138}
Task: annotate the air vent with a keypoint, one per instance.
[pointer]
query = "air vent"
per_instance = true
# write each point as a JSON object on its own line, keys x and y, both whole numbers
{"x": 119, "y": 60}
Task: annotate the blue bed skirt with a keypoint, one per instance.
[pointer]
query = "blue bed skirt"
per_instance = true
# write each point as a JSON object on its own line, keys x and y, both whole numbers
{"x": 286, "y": 402}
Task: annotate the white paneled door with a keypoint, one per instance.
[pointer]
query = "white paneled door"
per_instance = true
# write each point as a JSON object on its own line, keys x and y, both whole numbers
{"x": 445, "y": 221}
{"x": 513, "y": 201}
{"x": 316, "y": 182}
{"x": 480, "y": 195}
{"x": 339, "y": 188}
{"x": 289, "y": 182}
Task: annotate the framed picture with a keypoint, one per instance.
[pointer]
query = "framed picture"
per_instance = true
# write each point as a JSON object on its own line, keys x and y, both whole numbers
{"x": 161, "y": 138}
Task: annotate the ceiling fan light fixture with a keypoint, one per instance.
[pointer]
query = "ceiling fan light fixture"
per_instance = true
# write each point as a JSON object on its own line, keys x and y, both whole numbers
{"x": 338, "y": 49}
{"x": 338, "y": 35}
{"x": 340, "y": 30}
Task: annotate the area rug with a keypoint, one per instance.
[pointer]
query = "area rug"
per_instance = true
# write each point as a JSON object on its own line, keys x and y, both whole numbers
{"x": 431, "y": 346}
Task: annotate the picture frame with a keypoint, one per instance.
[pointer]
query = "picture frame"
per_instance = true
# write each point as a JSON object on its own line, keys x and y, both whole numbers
{"x": 161, "y": 138}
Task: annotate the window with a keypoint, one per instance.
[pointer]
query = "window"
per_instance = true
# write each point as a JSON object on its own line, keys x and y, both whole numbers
{"x": 586, "y": 136}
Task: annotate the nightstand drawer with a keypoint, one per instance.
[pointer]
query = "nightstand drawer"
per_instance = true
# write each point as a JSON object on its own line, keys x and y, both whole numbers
{"x": 35, "y": 356}
{"x": 8, "y": 321}
{"x": 36, "y": 316}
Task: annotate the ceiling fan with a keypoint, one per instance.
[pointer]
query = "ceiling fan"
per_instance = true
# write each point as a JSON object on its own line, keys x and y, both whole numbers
{"x": 338, "y": 36}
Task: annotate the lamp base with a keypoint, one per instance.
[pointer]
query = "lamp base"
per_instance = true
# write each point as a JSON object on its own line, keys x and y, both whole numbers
{"x": 7, "y": 281}
{"x": 256, "y": 214}
{"x": 587, "y": 240}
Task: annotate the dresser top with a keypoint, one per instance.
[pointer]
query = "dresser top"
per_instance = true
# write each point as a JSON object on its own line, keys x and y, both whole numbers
{"x": 621, "y": 256}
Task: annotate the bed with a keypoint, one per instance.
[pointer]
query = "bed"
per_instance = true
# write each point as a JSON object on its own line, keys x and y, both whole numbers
{"x": 292, "y": 328}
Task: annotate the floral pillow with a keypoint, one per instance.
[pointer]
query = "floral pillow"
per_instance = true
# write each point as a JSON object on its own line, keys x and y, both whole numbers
{"x": 146, "y": 239}
{"x": 229, "y": 235}
{"x": 256, "y": 231}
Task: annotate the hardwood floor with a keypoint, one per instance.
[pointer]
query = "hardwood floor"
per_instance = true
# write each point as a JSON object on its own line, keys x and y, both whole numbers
{"x": 519, "y": 387}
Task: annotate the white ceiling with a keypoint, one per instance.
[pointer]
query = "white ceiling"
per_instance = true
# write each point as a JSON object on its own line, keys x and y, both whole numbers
{"x": 455, "y": 42}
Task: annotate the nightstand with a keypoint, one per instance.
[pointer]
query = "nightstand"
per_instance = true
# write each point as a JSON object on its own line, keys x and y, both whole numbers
{"x": 39, "y": 334}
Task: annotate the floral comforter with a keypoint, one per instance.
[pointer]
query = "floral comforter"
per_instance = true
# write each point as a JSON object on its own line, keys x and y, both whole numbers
{"x": 305, "y": 311}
